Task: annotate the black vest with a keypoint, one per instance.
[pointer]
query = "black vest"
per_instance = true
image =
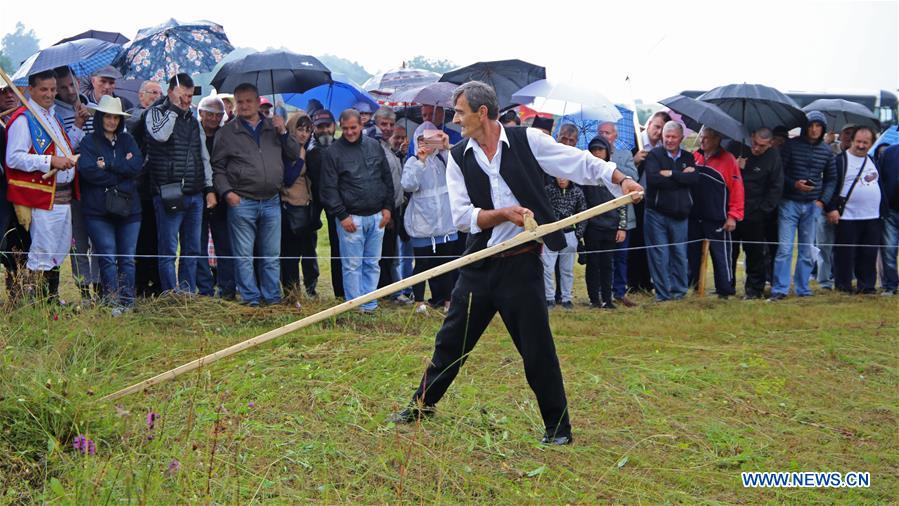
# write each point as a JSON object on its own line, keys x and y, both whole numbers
{"x": 179, "y": 158}
{"x": 520, "y": 170}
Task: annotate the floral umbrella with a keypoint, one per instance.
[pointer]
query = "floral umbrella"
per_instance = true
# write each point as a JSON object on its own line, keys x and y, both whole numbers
{"x": 160, "y": 52}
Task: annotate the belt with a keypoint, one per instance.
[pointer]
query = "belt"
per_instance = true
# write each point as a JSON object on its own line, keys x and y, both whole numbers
{"x": 527, "y": 248}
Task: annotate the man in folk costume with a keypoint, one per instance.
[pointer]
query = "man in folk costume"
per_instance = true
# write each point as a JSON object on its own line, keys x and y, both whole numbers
{"x": 31, "y": 154}
{"x": 495, "y": 182}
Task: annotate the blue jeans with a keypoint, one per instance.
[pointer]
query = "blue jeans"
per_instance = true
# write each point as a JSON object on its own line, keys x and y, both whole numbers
{"x": 619, "y": 261}
{"x": 794, "y": 219}
{"x": 118, "y": 237}
{"x": 360, "y": 253}
{"x": 666, "y": 239}
{"x": 890, "y": 278}
{"x": 185, "y": 225}
{"x": 825, "y": 237}
{"x": 256, "y": 226}
{"x": 404, "y": 265}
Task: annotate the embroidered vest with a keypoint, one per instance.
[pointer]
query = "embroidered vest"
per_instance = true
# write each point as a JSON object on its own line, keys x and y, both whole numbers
{"x": 30, "y": 189}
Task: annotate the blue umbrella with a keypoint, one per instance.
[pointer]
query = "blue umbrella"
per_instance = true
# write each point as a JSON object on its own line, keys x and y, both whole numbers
{"x": 114, "y": 37}
{"x": 889, "y": 136}
{"x": 160, "y": 52}
{"x": 588, "y": 128}
{"x": 342, "y": 94}
{"x": 83, "y": 56}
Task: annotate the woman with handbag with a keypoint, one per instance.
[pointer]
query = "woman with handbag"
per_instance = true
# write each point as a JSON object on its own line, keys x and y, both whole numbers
{"x": 109, "y": 167}
{"x": 857, "y": 209}
{"x": 299, "y": 214}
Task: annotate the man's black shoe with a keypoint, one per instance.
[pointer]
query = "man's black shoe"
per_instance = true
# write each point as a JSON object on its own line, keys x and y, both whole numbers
{"x": 556, "y": 440}
{"x": 411, "y": 414}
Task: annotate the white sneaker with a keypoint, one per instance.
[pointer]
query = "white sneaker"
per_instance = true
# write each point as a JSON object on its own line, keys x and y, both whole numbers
{"x": 422, "y": 308}
{"x": 403, "y": 299}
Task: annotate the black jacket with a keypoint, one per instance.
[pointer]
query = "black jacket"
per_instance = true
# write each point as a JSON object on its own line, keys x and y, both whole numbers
{"x": 762, "y": 185}
{"x": 669, "y": 195}
{"x": 355, "y": 178}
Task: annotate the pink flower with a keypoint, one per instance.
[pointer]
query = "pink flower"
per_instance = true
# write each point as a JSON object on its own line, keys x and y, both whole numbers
{"x": 173, "y": 468}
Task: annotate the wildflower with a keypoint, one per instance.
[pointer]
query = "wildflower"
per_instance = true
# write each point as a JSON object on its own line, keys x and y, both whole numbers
{"x": 173, "y": 468}
{"x": 84, "y": 445}
{"x": 151, "y": 420}
{"x": 251, "y": 404}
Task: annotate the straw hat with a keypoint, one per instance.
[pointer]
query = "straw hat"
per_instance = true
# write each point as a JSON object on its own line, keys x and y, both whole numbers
{"x": 110, "y": 105}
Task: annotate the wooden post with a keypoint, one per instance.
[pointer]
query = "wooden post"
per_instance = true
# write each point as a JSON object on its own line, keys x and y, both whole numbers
{"x": 703, "y": 264}
{"x": 529, "y": 235}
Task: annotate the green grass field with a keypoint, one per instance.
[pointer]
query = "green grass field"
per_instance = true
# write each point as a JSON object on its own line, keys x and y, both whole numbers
{"x": 669, "y": 403}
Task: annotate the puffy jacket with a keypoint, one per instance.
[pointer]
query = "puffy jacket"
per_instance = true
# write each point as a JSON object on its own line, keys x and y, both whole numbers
{"x": 889, "y": 177}
{"x": 726, "y": 165}
{"x": 120, "y": 172}
{"x": 251, "y": 170}
{"x": 355, "y": 178}
{"x": 813, "y": 162}
{"x": 428, "y": 213}
{"x": 763, "y": 181}
{"x": 669, "y": 195}
{"x": 175, "y": 152}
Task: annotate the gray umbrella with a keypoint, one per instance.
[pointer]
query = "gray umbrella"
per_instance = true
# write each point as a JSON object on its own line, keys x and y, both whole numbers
{"x": 756, "y": 106}
{"x": 841, "y": 112}
{"x": 436, "y": 94}
{"x": 696, "y": 113}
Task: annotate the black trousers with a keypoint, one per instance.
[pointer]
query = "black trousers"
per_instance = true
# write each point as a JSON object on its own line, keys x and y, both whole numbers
{"x": 388, "y": 256}
{"x": 720, "y": 246}
{"x": 300, "y": 245}
{"x": 858, "y": 260}
{"x": 512, "y": 287}
{"x": 441, "y": 286}
{"x": 638, "y": 276}
{"x": 752, "y": 231}
{"x": 599, "y": 265}
{"x": 336, "y": 270}
{"x": 146, "y": 269}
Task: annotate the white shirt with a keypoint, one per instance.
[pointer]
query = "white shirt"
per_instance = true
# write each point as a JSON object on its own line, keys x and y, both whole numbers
{"x": 864, "y": 203}
{"x": 556, "y": 159}
{"x": 19, "y": 143}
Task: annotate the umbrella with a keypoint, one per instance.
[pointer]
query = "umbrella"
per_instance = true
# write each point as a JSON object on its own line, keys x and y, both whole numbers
{"x": 436, "y": 94}
{"x": 841, "y": 112}
{"x": 114, "y": 37}
{"x": 756, "y": 106}
{"x": 889, "y": 136}
{"x": 164, "y": 50}
{"x": 337, "y": 96}
{"x": 589, "y": 128}
{"x": 273, "y": 72}
{"x": 83, "y": 56}
{"x": 505, "y": 76}
{"x": 566, "y": 99}
{"x": 129, "y": 89}
{"x": 392, "y": 81}
{"x": 696, "y": 113}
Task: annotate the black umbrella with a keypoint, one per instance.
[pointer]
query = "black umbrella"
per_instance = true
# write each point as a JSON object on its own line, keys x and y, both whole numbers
{"x": 696, "y": 113}
{"x": 756, "y": 106}
{"x": 506, "y": 77}
{"x": 273, "y": 72}
{"x": 114, "y": 37}
{"x": 841, "y": 112}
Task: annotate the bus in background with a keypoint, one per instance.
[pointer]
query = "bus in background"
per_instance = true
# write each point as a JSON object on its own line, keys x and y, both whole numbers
{"x": 883, "y": 103}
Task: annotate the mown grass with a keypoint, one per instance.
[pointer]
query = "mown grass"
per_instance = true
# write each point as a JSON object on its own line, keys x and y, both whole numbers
{"x": 669, "y": 403}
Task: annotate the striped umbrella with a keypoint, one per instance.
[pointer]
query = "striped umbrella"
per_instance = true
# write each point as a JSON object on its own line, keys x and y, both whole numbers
{"x": 389, "y": 82}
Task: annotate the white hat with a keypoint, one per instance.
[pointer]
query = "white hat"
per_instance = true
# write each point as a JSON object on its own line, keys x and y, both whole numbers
{"x": 110, "y": 105}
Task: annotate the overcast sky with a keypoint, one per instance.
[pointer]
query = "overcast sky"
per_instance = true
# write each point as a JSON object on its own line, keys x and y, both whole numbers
{"x": 664, "y": 46}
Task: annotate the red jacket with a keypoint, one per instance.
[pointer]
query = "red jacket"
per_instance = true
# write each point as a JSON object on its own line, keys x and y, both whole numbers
{"x": 726, "y": 165}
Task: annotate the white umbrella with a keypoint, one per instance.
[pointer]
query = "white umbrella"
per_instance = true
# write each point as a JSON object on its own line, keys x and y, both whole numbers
{"x": 563, "y": 99}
